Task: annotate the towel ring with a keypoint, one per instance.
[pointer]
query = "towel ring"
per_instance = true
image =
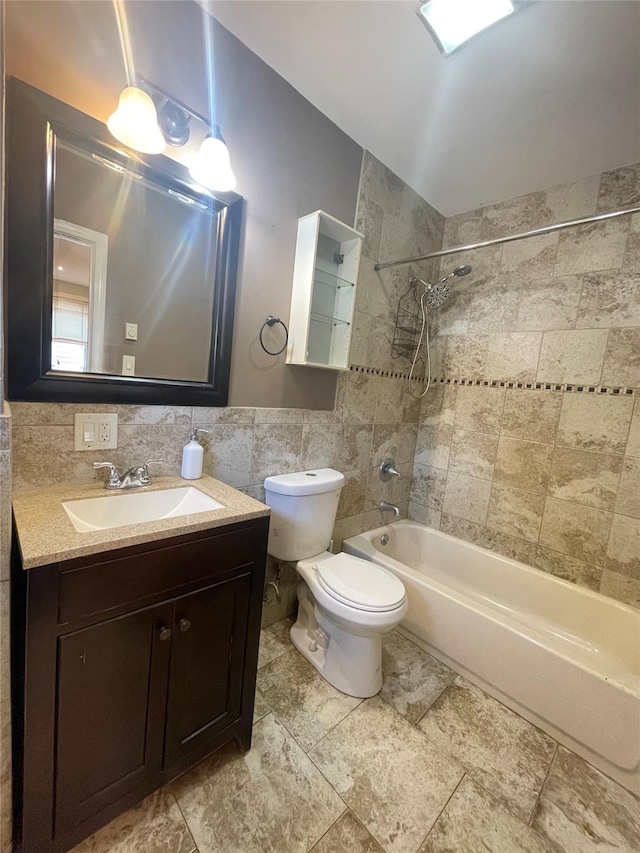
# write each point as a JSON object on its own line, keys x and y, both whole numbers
{"x": 272, "y": 321}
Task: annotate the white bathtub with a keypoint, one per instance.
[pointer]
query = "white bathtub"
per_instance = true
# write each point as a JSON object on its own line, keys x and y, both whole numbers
{"x": 565, "y": 658}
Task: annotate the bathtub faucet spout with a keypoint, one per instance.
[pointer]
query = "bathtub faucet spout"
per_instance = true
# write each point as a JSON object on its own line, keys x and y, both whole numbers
{"x": 384, "y": 506}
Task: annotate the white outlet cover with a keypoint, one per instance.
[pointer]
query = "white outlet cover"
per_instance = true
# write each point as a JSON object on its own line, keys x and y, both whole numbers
{"x": 103, "y": 424}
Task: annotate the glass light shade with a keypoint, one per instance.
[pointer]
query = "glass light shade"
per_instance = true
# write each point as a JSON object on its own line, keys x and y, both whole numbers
{"x": 211, "y": 167}
{"x": 135, "y": 122}
{"x": 452, "y": 22}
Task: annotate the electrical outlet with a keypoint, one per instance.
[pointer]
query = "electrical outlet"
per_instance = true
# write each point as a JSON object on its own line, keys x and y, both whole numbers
{"x": 96, "y": 431}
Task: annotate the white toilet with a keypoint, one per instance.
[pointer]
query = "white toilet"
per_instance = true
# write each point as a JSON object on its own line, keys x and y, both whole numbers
{"x": 345, "y": 604}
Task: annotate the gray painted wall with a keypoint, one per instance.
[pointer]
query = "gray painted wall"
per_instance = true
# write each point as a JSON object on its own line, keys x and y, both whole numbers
{"x": 288, "y": 157}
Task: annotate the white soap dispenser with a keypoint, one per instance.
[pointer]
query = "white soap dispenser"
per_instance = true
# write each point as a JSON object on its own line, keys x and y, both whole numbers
{"x": 192, "y": 457}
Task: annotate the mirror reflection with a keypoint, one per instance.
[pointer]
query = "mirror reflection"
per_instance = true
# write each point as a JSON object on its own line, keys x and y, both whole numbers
{"x": 133, "y": 273}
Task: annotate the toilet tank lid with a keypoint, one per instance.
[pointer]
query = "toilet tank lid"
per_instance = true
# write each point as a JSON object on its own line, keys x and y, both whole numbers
{"x": 305, "y": 482}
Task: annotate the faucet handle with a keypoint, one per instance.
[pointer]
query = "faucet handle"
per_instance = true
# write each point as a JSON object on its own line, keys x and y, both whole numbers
{"x": 145, "y": 476}
{"x": 388, "y": 470}
{"x": 114, "y": 477}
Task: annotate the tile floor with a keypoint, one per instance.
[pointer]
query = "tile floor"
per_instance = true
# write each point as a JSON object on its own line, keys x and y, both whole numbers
{"x": 431, "y": 765}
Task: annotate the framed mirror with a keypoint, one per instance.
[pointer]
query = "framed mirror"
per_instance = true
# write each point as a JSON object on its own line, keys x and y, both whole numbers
{"x": 120, "y": 271}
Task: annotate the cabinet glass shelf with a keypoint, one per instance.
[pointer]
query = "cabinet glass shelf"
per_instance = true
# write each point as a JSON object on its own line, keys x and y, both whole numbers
{"x": 328, "y": 279}
{"x": 328, "y": 321}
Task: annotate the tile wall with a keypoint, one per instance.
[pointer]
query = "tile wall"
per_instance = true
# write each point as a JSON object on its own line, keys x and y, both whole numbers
{"x": 550, "y": 476}
{"x": 373, "y": 416}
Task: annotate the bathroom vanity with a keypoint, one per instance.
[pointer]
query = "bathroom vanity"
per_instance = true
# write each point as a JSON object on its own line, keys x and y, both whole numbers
{"x": 135, "y": 654}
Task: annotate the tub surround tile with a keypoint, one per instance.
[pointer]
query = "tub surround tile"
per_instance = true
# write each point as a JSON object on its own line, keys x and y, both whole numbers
{"x": 467, "y": 497}
{"x": 581, "y": 809}
{"x": 389, "y": 406}
{"x": 513, "y": 356}
{"x": 155, "y": 826}
{"x": 572, "y": 356}
{"x": 433, "y": 445}
{"x": 574, "y": 200}
{"x": 479, "y": 409}
{"x": 550, "y": 303}
{"x": 631, "y": 261}
{"x": 523, "y": 465}
{"x": 585, "y": 477}
{"x": 515, "y": 512}
{"x": 357, "y": 398}
{"x": 439, "y": 405}
{"x": 473, "y": 453}
{"x": 508, "y": 546}
{"x": 413, "y": 679}
{"x": 493, "y": 310}
{"x": 428, "y": 486}
{"x": 595, "y": 423}
{"x": 593, "y": 247}
{"x": 362, "y": 326}
{"x": 468, "y": 531}
{"x": 578, "y": 531}
{"x": 609, "y": 299}
{"x": 347, "y": 834}
{"x": 353, "y": 494}
{"x": 424, "y": 515}
{"x": 621, "y": 587}
{"x": 531, "y": 415}
{"x": 356, "y": 446}
{"x": 395, "y": 440}
{"x": 619, "y": 188}
{"x": 473, "y": 820}
{"x": 306, "y": 704}
{"x": 270, "y": 798}
{"x": 499, "y": 749}
{"x": 274, "y": 642}
{"x": 392, "y": 777}
{"x": 568, "y": 568}
{"x": 321, "y": 446}
{"x": 633, "y": 443}
{"x": 628, "y": 500}
{"x": 622, "y": 358}
{"x": 465, "y": 356}
{"x": 369, "y": 222}
{"x": 530, "y": 259}
{"x": 623, "y": 553}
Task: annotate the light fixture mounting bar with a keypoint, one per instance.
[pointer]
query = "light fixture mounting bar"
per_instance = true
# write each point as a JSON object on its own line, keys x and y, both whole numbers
{"x": 153, "y": 89}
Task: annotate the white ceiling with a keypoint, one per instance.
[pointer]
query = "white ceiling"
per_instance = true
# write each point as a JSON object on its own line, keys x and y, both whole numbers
{"x": 545, "y": 97}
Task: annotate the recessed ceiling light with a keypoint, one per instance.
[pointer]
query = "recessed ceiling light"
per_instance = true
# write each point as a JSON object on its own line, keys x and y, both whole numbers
{"x": 453, "y": 22}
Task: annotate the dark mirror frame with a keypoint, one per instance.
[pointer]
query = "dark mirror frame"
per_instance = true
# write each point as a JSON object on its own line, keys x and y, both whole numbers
{"x": 34, "y": 121}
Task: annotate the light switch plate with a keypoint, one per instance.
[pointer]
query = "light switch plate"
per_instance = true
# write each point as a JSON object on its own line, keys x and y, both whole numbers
{"x": 131, "y": 331}
{"x": 96, "y": 431}
{"x": 128, "y": 365}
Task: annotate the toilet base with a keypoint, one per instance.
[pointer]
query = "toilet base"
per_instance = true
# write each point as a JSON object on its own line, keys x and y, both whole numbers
{"x": 352, "y": 664}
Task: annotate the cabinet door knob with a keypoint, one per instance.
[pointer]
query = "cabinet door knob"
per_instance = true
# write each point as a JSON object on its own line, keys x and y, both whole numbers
{"x": 184, "y": 625}
{"x": 165, "y": 633}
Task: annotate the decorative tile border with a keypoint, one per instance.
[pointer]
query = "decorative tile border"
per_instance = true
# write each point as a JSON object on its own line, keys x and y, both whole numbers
{"x": 573, "y": 388}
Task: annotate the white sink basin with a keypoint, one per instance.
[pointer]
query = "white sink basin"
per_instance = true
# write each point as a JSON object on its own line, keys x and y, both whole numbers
{"x": 118, "y": 510}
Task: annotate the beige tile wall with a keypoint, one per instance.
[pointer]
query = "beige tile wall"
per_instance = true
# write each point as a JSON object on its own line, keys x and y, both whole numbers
{"x": 373, "y": 416}
{"x": 550, "y": 477}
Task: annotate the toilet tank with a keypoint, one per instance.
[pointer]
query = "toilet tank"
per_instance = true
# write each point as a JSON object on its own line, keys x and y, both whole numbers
{"x": 303, "y": 511}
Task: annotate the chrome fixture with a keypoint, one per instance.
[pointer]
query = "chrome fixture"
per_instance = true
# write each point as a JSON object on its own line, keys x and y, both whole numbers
{"x": 388, "y": 470}
{"x": 133, "y": 478}
{"x": 384, "y": 539}
{"x": 498, "y": 241}
{"x": 276, "y": 589}
{"x": 433, "y": 296}
{"x": 148, "y": 119}
{"x": 385, "y": 506}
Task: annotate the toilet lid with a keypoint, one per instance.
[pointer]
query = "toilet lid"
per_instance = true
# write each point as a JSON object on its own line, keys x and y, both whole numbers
{"x": 360, "y": 583}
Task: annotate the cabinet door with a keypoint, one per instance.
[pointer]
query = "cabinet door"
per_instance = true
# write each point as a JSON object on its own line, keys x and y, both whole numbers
{"x": 207, "y": 662}
{"x": 112, "y": 680}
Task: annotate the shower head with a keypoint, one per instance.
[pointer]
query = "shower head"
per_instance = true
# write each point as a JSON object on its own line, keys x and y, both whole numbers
{"x": 460, "y": 271}
{"x": 437, "y": 294}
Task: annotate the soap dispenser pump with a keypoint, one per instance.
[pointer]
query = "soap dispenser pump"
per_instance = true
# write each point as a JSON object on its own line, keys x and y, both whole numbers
{"x": 192, "y": 457}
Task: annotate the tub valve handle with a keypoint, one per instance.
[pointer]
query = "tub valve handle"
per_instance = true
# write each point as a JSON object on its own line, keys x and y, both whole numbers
{"x": 388, "y": 470}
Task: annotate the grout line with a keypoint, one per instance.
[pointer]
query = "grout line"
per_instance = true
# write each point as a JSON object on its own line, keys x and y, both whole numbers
{"x": 544, "y": 781}
{"x": 442, "y": 810}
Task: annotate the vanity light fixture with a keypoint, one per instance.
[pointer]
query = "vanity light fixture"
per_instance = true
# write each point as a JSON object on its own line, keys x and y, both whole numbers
{"x": 148, "y": 119}
{"x": 135, "y": 122}
{"x": 211, "y": 167}
{"x": 453, "y": 22}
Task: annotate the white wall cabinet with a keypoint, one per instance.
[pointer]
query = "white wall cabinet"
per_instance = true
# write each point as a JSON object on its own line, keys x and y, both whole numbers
{"x": 323, "y": 299}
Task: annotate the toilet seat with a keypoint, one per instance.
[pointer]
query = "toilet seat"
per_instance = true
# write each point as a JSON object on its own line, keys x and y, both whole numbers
{"x": 359, "y": 583}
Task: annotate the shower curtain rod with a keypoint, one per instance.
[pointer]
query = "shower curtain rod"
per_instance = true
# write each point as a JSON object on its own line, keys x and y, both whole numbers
{"x": 536, "y": 232}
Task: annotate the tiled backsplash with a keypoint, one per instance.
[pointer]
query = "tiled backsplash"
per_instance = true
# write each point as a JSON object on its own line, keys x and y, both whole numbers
{"x": 550, "y": 477}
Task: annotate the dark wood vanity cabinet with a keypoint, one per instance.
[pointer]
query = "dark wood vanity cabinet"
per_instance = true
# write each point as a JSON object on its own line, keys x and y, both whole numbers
{"x": 130, "y": 667}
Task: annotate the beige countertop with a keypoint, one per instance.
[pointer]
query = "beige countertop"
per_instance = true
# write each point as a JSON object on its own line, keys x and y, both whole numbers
{"x": 46, "y": 534}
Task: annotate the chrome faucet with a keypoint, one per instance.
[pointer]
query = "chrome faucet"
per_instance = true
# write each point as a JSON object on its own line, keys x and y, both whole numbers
{"x": 385, "y": 506}
{"x": 133, "y": 478}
